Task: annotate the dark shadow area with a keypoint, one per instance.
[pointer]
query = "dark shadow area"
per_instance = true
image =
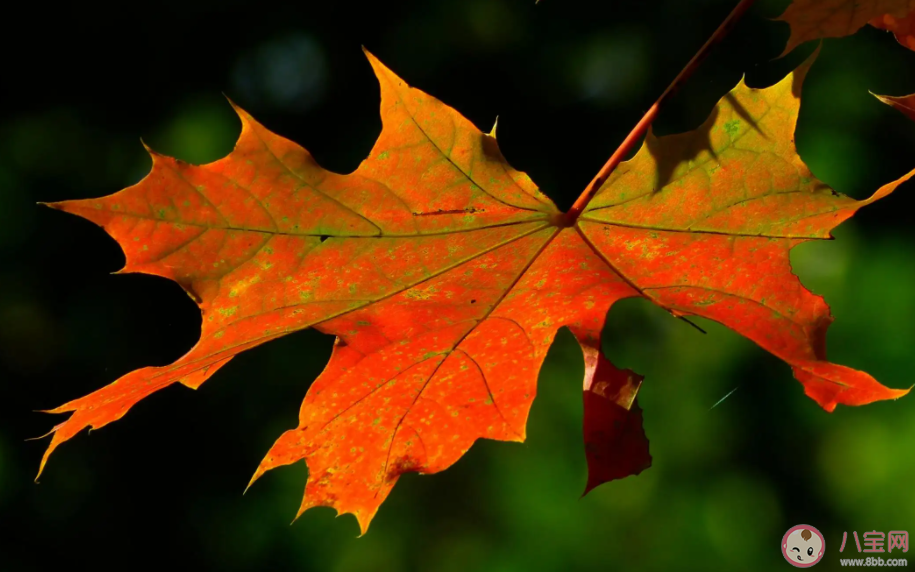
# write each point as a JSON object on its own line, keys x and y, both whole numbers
{"x": 671, "y": 151}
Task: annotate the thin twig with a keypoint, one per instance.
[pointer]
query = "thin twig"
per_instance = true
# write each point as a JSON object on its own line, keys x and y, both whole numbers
{"x": 642, "y": 126}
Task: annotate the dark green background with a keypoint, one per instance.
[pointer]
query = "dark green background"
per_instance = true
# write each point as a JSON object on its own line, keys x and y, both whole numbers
{"x": 567, "y": 78}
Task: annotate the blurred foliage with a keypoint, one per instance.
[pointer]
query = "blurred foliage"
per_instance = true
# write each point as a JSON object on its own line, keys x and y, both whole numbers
{"x": 568, "y": 79}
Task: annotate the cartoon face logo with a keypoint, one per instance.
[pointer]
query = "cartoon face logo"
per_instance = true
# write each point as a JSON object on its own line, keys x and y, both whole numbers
{"x": 803, "y": 546}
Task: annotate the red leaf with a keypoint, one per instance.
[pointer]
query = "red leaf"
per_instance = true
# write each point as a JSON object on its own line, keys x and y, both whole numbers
{"x": 615, "y": 442}
{"x": 817, "y": 19}
{"x": 903, "y": 28}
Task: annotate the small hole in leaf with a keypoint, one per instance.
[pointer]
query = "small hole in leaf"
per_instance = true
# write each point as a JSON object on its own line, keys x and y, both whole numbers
{"x": 324, "y": 237}
{"x": 473, "y": 301}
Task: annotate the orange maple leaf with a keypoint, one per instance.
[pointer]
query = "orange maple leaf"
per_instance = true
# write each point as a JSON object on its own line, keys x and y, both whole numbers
{"x": 445, "y": 275}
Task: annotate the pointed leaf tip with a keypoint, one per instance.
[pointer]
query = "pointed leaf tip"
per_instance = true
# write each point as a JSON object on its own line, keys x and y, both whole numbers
{"x": 371, "y": 57}
{"x": 904, "y": 104}
{"x": 379, "y": 68}
{"x": 58, "y": 206}
{"x": 152, "y": 152}
{"x": 237, "y": 108}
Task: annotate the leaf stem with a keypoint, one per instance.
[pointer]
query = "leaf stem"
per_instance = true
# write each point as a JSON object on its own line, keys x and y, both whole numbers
{"x": 642, "y": 126}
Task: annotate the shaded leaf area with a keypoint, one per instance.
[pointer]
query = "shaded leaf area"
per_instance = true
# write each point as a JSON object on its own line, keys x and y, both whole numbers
{"x": 902, "y": 28}
{"x": 816, "y": 19}
{"x": 445, "y": 275}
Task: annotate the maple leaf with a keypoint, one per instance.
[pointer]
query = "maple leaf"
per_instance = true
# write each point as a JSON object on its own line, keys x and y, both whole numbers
{"x": 445, "y": 274}
{"x": 815, "y": 19}
{"x": 904, "y": 104}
